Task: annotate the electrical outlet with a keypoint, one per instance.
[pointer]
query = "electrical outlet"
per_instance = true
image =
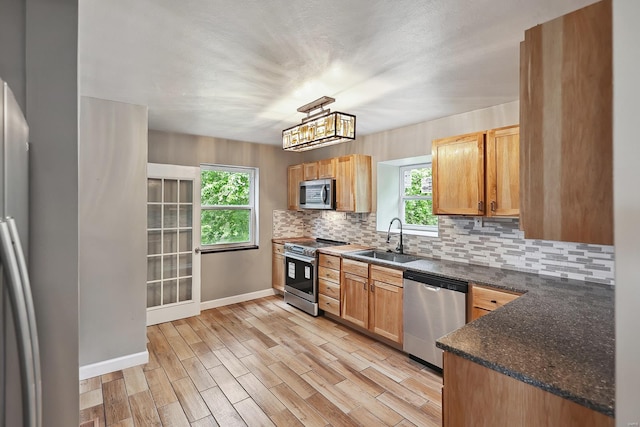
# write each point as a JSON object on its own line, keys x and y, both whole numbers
{"x": 478, "y": 221}
{"x": 635, "y": 424}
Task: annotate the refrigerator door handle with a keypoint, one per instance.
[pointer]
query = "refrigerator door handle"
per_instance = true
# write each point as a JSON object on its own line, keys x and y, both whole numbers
{"x": 23, "y": 334}
{"x": 31, "y": 315}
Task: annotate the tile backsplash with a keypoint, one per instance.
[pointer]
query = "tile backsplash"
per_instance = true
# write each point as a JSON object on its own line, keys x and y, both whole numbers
{"x": 498, "y": 243}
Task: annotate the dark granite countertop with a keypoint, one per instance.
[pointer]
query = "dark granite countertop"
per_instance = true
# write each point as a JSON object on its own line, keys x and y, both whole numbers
{"x": 559, "y": 336}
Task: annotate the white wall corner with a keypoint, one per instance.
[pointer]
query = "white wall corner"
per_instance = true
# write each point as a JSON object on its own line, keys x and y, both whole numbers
{"x": 206, "y": 305}
{"x": 112, "y": 365}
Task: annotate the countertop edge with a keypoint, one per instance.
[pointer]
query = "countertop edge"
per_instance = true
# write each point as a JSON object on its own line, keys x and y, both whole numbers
{"x": 606, "y": 410}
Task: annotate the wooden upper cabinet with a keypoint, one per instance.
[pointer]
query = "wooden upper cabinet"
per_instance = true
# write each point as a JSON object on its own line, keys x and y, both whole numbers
{"x": 458, "y": 175}
{"x": 502, "y": 171}
{"x": 327, "y": 168}
{"x": 353, "y": 183}
{"x": 294, "y": 176}
{"x": 566, "y": 149}
{"x": 310, "y": 171}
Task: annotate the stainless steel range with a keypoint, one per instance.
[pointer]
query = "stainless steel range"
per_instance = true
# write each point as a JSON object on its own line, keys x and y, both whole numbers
{"x": 301, "y": 268}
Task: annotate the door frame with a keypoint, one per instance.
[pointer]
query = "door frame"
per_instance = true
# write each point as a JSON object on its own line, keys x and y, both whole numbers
{"x": 183, "y": 309}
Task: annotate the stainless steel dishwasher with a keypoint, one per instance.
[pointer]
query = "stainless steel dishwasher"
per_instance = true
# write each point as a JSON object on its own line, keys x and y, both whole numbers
{"x": 433, "y": 307}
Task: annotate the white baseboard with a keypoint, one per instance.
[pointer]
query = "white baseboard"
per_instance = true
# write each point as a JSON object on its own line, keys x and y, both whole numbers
{"x": 206, "y": 305}
{"x": 112, "y": 365}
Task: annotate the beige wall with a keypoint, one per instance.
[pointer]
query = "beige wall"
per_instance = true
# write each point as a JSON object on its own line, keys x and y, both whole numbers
{"x": 228, "y": 274}
{"x": 415, "y": 140}
{"x": 626, "y": 152}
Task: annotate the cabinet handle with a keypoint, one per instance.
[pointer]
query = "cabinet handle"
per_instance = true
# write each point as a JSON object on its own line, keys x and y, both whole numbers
{"x": 494, "y": 301}
{"x": 364, "y": 285}
{"x": 493, "y": 206}
{"x": 372, "y": 287}
{"x": 481, "y": 206}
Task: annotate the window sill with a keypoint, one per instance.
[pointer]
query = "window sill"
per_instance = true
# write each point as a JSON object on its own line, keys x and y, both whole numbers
{"x": 411, "y": 232}
{"x": 234, "y": 249}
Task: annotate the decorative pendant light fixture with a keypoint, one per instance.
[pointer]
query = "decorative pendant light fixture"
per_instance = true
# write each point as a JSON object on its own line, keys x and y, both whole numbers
{"x": 320, "y": 129}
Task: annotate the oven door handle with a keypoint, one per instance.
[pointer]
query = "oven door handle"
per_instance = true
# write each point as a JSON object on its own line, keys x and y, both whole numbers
{"x": 302, "y": 258}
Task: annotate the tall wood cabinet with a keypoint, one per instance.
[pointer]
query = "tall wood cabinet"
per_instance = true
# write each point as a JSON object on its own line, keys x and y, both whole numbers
{"x": 295, "y": 174}
{"x": 477, "y": 173}
{"x": 566, "y": 152}
{"x": 353, "y": 183}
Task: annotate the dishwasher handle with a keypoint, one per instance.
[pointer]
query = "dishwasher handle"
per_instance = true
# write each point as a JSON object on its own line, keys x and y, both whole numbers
{"x": 436, "y": 281}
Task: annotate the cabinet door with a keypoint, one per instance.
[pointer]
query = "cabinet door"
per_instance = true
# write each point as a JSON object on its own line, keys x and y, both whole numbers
{"x": 503, "y": 171}
{"x": 344, "y": 184}
{"x": 458, "y": 175}
{"x": 355, "y": 299}
{"x": 386, "y": 311}
{"x": 294, "y": 175}
{"x": 327, "y": 168}
{"x": 277, "y": 272}
{"x": 310, "y": 171}
{"x": 353, "y": 183}
{"x": 566, "y": 127}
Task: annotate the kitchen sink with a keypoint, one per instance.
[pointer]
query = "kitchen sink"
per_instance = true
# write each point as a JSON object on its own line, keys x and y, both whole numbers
{"x": 387, "y": 256}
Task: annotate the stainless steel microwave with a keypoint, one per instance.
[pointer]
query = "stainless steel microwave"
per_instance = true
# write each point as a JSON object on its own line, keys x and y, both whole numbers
{"x": 318, "y": 194}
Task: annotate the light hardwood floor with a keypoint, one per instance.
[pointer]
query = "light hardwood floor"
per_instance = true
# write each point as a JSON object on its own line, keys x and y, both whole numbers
{"x": 264, "y": 363}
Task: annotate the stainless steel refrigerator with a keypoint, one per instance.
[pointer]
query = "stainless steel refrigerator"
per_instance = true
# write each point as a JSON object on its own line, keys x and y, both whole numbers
{"x": 20, "y": 399}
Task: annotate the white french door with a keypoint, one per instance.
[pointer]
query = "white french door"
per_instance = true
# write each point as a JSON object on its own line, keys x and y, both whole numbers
{"x": 173, "y": 240}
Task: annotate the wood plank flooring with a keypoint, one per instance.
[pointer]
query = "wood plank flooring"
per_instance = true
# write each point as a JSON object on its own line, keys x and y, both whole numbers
{"x": 264, "y": 363}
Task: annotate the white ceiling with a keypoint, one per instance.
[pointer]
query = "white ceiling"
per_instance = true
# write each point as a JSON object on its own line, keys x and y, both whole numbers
{"x": 238, "y": 69}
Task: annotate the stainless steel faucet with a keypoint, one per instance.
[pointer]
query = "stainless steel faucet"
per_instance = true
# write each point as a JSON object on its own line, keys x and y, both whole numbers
{"x": 399, "y": 248}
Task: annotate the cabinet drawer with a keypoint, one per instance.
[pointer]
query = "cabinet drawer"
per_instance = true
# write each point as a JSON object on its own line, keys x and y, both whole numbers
{"x": 329, "y": 274}
{"x": 477, "y": 312}
{"x": 386, "y": 275}
{"x": 330, "y": 261}
{"x": 330, "y": 305}
{"x": 490, "y": 299}
{"x": 329, "y": 289}
{"x": 355, "y": 267}
{"x": 278, "y": 248}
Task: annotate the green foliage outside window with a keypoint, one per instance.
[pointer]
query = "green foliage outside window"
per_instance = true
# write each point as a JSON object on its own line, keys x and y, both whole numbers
{"x": 225, "y": 189}
{"x": 418, "y": 205}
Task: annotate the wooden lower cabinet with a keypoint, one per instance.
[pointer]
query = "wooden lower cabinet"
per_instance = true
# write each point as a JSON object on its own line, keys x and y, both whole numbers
{"x": 385, "y": 303}
{"x": 484, "y": 300}
{"x": 355, "y": 299}
{"x": 329, "y": 283}
{"x": 474, "y": 395}
{"x": 277, "y": 267}
{"x": 372, "y": 298}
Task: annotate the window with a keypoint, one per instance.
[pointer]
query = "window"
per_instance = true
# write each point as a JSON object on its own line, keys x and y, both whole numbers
{"x": 416, "y": 204}
{"x": 229, "y": 207}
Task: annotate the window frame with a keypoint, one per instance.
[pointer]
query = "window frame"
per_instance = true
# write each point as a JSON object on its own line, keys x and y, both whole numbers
{"x": 254, "y": 186}
{"x": 402, "y": 198}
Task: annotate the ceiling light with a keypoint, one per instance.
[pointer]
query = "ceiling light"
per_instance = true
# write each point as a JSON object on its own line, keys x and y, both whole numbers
{"x": 320, "y": 129}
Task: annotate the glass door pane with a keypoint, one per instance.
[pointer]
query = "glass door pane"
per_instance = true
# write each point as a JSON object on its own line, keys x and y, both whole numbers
{"x": 170, "y": 241}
